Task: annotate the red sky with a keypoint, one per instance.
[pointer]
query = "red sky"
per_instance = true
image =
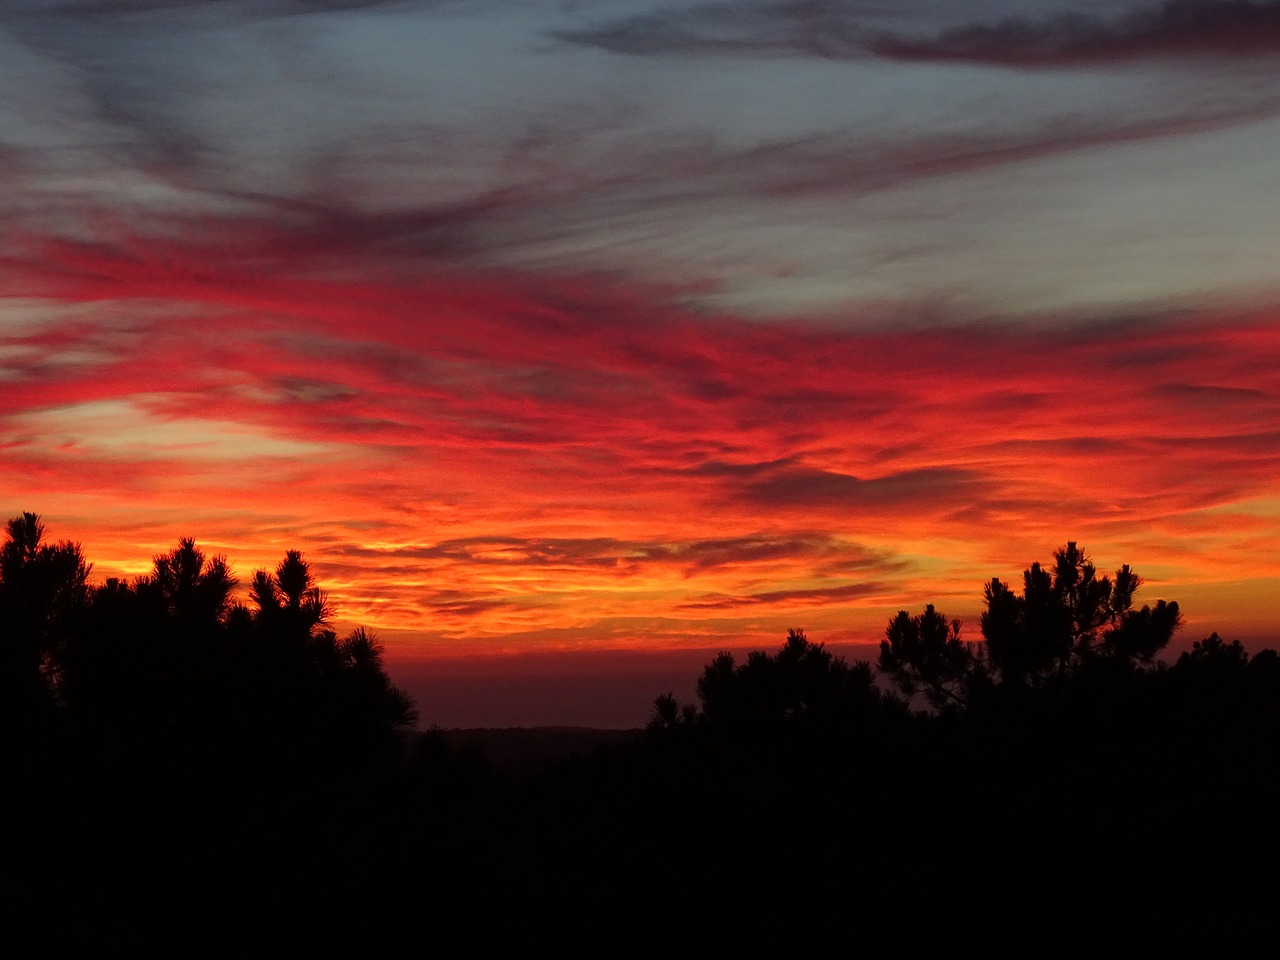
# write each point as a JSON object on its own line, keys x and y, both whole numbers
{"x": 613, "y": 344}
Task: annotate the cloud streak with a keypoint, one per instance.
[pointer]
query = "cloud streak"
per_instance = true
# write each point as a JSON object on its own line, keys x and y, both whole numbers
{"x": 1176, "y": 29}
{"x": 39, "y": 9}
{"x": 798, "y": 597}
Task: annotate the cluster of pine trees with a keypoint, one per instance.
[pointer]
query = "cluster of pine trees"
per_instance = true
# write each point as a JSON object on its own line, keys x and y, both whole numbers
{"x": 158, "y": 724}
{"x": 171, "y": 654}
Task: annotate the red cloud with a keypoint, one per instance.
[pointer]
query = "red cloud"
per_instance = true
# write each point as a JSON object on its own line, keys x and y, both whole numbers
{"x": 498, "y": 456}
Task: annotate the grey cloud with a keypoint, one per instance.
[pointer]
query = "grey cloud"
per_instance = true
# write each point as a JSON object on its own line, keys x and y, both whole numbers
{"x": 239, "y": 9}
{"x": 835, "y": 30}
{"x": 806, "y": 487}
{"x": 815, "y": 28}
{"x": 1226, "y": 29}
{"x": 894, "y": 163}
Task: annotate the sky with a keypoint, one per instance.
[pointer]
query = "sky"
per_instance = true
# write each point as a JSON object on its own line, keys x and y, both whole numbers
{"x": 572, "y": 340}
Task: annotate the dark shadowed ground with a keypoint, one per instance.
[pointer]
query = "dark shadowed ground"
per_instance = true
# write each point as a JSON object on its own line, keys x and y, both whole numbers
{"x": 519, "y": 751}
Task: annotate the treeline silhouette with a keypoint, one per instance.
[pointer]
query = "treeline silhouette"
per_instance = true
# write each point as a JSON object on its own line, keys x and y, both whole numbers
{"x": 161, "y": 724}
{"x": 159, "y": 720}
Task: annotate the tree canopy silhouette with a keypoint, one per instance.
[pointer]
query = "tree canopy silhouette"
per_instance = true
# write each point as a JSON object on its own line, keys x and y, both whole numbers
{"x": 171, "y": 656}
{"x": 802, "y": 685}
{"x": 191, "y": 587}
{"x": 43, "y": 588}
{"x": 1065, "y": 620}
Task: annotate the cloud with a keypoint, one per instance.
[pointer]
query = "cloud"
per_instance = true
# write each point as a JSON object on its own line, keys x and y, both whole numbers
{"x": 805, "y": 488}
{"x": 631, "y": 558}
{"x": 1215, "y": 395}
{"x": 836, "y": 168}
{"x": 248, "y": 9}
{"x": 469, "y": 584}
{"x": 1220, "y": 29}
{"x": 457, "y": 604}
{"x": 797, "y": 597}
{"x": 1178, "y": 29}
{"x": 822, "y": 29}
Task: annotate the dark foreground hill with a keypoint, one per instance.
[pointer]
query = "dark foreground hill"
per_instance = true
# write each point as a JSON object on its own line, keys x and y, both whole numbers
{"x": 522, "y": 751}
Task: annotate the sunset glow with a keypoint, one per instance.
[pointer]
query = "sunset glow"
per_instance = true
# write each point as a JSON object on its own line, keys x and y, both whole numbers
{"x": 621, "y": 329}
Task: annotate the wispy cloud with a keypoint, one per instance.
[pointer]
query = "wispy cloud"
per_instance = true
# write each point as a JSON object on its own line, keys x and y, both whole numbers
{"x": 14, "y": 9}
{"x": 796, "y": 597}
{"x": 809, "y": 488}
{"x": 630, "y": 558}
{"x": 1230, "y": 29}
{"x": 822, "y": 29}
{"x": 1218, "y": 29}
